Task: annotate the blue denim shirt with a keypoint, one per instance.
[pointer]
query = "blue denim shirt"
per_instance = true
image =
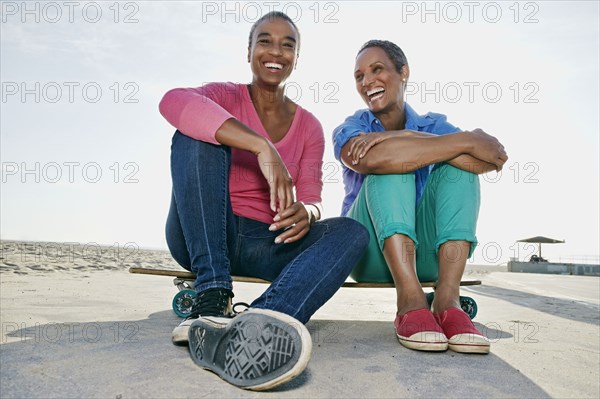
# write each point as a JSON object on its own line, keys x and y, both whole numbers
{"x": 364, "y": 121}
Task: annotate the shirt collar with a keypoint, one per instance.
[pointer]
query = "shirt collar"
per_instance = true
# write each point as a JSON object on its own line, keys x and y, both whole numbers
{"x": 414, "y": 121}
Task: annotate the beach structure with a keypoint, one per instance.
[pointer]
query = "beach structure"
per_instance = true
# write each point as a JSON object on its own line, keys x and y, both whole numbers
{"x": 537, "y": 264}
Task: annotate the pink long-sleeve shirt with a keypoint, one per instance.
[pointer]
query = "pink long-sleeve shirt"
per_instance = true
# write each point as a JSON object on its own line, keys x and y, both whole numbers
{"x": 200, "y": 112}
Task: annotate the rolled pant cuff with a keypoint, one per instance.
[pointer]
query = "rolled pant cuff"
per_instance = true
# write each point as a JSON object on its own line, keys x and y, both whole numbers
{"x": 390, "y": 229}
{"x": 457, "y": 235}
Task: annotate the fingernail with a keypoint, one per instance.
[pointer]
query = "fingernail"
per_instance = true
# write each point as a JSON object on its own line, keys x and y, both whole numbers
{"x": 272, "y": 227}
{"x": 277, "y": 240}
{"x": 276, "y": 218}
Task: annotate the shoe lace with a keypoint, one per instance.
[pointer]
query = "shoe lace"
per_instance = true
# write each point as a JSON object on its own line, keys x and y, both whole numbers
{"x": 211, "y": 302}
{"x": 235, "y": 305}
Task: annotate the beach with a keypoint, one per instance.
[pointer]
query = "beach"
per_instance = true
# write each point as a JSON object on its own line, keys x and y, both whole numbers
{"x": 76, "y": 323}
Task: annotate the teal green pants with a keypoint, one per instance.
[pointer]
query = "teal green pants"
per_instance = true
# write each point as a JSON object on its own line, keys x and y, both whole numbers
{"x": 447, "y": 211}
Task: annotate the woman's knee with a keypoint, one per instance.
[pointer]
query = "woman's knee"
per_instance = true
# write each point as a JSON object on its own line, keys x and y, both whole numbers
{"x": 456, "y": 190}
{"x": 182, "y": 146}
{"x": 353, "y": 231}
{"x": 390, "y": 191}
{"x": 358, "y": 231}
{"x": 404, "y": 181}
{"x": 458, "y": 179}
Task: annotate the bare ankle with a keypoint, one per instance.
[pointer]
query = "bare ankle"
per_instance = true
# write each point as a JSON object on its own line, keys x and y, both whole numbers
{"x": 443, "y": 302}
{"x": 416, "y": 301}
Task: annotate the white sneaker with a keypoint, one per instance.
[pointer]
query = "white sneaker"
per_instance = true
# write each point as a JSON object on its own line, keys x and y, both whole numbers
{"x": 215, "y": 302}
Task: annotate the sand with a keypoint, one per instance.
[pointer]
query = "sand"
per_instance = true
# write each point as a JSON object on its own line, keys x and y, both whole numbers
{"x": 75, "y": 323}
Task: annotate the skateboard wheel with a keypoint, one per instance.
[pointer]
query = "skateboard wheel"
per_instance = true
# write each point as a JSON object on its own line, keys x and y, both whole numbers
{"x": 182, "y": 303}
{"x": 469, "y": 305}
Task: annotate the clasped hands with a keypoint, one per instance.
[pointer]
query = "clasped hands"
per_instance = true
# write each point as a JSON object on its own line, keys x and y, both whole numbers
{"x": 296, "y": 220}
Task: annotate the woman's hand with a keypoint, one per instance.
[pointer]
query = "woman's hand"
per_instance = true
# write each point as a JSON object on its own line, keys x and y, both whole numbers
{"x": 362, "y": 143}
{"x": 235, "y": 134}
{"x": 295, "y": 219}
{"x": 487, "y": 148}
{"x": 280, "y": 181}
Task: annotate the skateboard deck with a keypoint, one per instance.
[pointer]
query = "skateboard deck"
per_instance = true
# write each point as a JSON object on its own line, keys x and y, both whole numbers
{"x": 183, "y": 300}
{"x": 242, "y": 279}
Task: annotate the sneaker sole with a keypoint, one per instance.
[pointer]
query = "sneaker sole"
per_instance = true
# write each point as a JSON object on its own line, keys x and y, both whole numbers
{"x": 422, "y": 345}
{"x": 256, "y": 350}
{"x": 469, "y": 344}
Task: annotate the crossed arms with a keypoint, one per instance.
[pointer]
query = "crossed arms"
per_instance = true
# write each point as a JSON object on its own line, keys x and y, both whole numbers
{"x": 405, "y": 151}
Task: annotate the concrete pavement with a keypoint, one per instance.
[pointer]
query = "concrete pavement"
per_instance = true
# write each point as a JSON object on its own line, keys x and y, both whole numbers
{"x": 107, "y": 334}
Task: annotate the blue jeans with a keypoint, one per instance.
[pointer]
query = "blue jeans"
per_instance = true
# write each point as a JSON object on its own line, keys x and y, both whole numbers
{"x": 207, "y": 238}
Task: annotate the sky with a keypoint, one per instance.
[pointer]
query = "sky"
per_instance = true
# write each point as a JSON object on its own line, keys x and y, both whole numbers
{"x": 85, "y": 152}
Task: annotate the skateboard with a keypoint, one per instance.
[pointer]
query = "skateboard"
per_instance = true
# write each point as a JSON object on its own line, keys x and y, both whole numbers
{"x": 183, "y": 300}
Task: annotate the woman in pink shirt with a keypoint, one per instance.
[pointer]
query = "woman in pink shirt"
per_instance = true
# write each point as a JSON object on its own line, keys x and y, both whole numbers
{"x": 246, "y": 170}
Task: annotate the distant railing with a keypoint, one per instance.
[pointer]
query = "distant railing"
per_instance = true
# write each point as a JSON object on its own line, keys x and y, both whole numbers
{"x": 580, "y": 259}
{"x": 573, "y": 259}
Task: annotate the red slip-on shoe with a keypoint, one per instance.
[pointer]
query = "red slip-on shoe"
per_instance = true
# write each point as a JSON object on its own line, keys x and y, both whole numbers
{"x": 418, "y": 330}
{"x": 462, "y": 334}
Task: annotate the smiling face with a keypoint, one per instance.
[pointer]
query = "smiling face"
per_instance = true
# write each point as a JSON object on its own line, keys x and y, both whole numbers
{"x": 378, "y": 82}
{"x": 273, "y": 51}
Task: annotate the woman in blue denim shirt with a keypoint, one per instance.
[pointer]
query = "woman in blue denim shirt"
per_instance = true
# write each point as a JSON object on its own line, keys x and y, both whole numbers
{"x": 412, "y": 181}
